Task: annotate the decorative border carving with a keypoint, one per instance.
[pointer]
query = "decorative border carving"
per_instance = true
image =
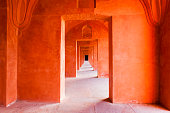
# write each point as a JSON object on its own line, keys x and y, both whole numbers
{"x": 161, "y": 6}
{"x": 20, "y": 12}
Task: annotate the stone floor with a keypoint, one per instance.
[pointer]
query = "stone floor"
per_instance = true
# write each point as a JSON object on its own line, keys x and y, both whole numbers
{"x": 84, "y": 94}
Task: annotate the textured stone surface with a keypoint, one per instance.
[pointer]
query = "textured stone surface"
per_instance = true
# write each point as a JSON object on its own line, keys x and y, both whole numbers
{"x": 165, "y": 63}
{"x": 135, "y": 60}
{"x": 3, "y": 52}
{"x": 39, "y": 60}
{"x": 8, "y": 57}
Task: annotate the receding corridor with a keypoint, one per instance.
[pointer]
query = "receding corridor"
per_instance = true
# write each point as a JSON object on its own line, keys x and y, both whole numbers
{"x": 84, "y": 94}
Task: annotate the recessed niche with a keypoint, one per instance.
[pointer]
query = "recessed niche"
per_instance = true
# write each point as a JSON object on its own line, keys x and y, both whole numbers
{"x": 87, "y": 31}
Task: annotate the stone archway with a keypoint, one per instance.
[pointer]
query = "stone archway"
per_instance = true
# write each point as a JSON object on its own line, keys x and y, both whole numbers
{"x": 88, "y": 18}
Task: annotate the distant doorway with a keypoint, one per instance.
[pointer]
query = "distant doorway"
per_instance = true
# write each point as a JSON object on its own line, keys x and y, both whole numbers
{"x": 86, "y": 58}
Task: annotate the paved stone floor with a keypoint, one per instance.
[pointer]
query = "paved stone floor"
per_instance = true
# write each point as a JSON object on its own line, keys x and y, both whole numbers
{"x": 84, "y": 94}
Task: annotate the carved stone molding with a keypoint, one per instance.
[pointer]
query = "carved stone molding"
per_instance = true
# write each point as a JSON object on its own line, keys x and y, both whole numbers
{"x": 155, "y": 10}
{"x": 20, "y": 12}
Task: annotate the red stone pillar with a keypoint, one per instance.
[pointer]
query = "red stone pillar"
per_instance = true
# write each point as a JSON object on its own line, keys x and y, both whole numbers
{"x": 3, "y": 52}
{"x": 165, "y": 64}
{"x": 94, "y": 45}
{"x": 95, "y": 55}
{"x": 135, "y": 78}
{"x": 103, "y": 57}
{"x": 111, "y": 63}
{"x": 8, "y": 58}
{"x": 78, "y": 57}
{"x": 71, "y": 61}
{"x": 81, "y": 57}
{"x": 90, "y": 55}
{"x": 41, "y": 62}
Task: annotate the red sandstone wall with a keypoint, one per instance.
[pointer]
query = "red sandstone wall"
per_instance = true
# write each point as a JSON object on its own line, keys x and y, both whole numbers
{"x": 135, "y": 78}
{"x": 82, "y": 56}
{"x": 3, "y": 42}
{"x": 70, "y": 55}
{"x": 165, "y": 64}
{"x": 95, "y": 54}
{"x": 110, "y": 60}
{"x": 58, "y": 7}
{"x": 118, "y": 7}
{"x": 103, "y": 57}
{"x": 85, "y": 3}
{"x": 39, "y": 60}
